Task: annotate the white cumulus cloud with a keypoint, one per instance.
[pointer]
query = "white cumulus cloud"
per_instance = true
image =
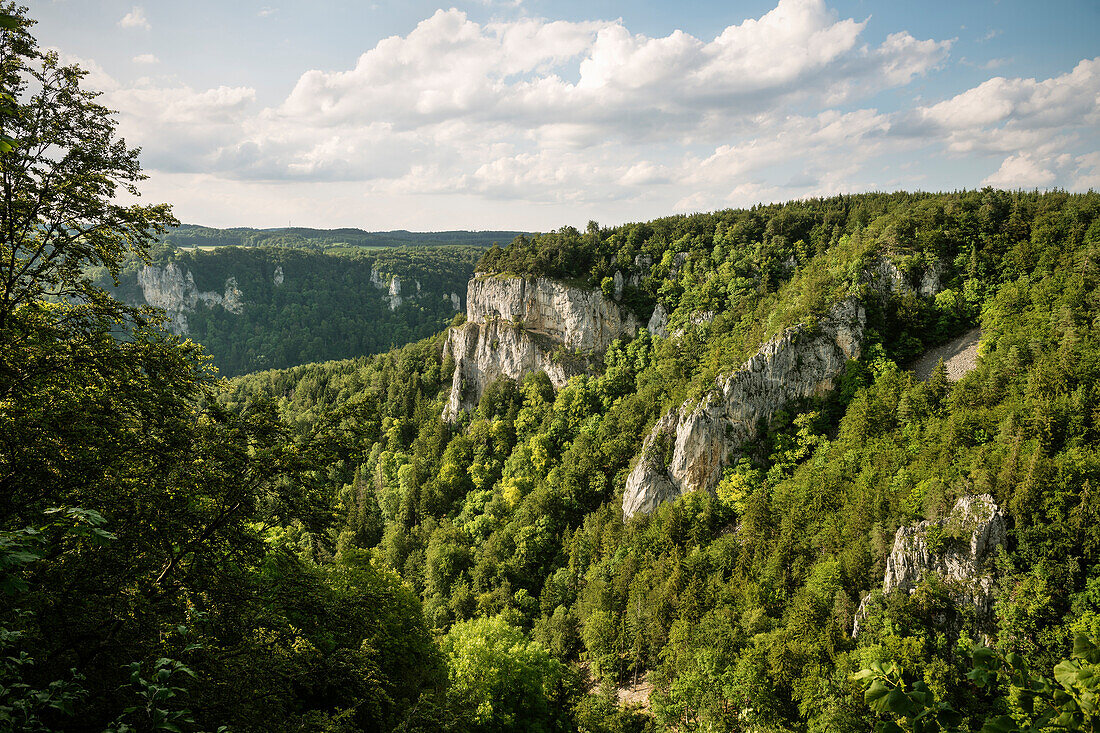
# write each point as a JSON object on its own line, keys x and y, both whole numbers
{"x": 591, "y": 116}
{"x": 135, "y": 19}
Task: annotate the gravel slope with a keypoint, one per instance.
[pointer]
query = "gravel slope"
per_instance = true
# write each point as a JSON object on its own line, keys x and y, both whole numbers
{"x": 960, "y": 356}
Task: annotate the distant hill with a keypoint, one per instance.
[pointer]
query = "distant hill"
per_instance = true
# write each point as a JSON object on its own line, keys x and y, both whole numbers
{"x": 194, "y": 235}
{"x": 273, "y": 307}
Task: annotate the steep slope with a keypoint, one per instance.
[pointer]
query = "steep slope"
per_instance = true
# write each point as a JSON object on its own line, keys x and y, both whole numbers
{"x": 255, "y": 308}
{"x": 737, "y": 604}
{"x": 688, "y": 447}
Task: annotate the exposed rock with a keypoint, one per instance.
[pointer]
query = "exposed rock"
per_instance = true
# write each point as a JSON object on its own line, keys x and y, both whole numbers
{"x": 456, "y": 301}
{"x": 678, "y": 261}
{"x": 658, "y": 322}
{"x": 278, "y": 278}
{"x": 886, "y": 278}
{"x": 958, "y": 549}
{"x": 698, "y": 318}
{"x": 960, "y": 356}
{"x": 392, "y": 286}
{"x": 930, "y": 280}
{"x": 618, "y": 280}
{"x": 394, "y": 295}
{"x": 173, "y": 289}
{"x": 688, "y": 447}
{"x": 483, "y": 352}
{"x": 642, "y": 265}
{"x": 516, "y": 325}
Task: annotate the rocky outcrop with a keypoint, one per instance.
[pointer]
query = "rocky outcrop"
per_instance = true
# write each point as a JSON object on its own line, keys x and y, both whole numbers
{"x": 517, "y": 325}
{"x": 886, "y": 278}
{"x": 658, "y": 322}
{"x": 688, "y": 447}
{"x": 958, "y": 549}
{"x": 173, "y": 289}
{"x": 277, "y": 278}
{"x": 456, "y": 302}
{"x": 392, "y": 286}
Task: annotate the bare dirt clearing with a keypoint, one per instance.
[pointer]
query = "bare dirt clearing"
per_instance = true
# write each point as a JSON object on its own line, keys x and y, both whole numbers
{"x": 959, "y": 355}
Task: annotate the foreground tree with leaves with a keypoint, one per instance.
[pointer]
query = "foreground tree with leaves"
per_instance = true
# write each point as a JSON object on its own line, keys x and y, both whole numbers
{"x": 1033, "y": 702}
{"x": 165, "y": 606}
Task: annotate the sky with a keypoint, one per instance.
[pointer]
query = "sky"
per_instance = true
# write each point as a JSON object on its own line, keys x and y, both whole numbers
{"x": 531, "y": 114}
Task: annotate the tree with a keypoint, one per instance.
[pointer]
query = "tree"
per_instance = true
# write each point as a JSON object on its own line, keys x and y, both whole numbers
{"x": 499, "y": 679}
{"x": 58, "y": 185}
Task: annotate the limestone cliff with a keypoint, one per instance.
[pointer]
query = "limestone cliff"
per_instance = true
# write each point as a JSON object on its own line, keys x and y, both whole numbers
{"x": 516, "y": 325}
{"x": 173, "y": 289}
{"x": 688, "y": 447}
{"x": 957, "y": 548}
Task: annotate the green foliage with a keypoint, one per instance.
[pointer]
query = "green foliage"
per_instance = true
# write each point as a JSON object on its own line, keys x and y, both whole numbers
{"x": 324, "y": 306}
{"x": 738, "y": 607}
{"x": 193, "y": 235}
{"x": 500, "y": 680}
{"x": 1037, "y": 703}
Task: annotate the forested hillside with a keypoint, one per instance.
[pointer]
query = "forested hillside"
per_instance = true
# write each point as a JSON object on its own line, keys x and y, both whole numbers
{"x": 298, "y": 306}
{"x": 318, "y": 549}
{"x": 738, "y": 607}
{"x": 193, "y": 235}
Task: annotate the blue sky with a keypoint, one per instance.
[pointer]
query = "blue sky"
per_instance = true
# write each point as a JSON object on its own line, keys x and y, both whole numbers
{"x": 534, "y": 114}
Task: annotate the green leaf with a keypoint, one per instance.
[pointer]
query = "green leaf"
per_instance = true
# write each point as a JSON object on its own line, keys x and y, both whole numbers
{"x": 875, "y": 696}
{"x": 1000, "y": 724}
{"x": 1066, "y": 673}
{"x": 898, "y": 702}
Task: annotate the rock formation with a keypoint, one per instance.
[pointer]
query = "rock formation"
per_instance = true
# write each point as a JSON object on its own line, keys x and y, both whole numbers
{"x": 658, "y": 322}
{"x": 517, "y": 325}
{"x": 957, "y": 548}
{"x": 688, "y": 447}
{"x": 885, "y": 277}
{"x": 392, "y": 286}
{"x": 173, "y": 289}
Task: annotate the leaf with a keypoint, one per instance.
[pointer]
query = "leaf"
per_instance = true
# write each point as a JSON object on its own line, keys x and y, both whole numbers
{"x": 875, "y": 696}
{"x": 898, "y": 702}
{"x": 1000, "y": 724}
{"x": 1066, "y": 673}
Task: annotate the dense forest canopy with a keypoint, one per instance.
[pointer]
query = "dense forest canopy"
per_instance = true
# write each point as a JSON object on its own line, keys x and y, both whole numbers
{"x": 738, "y": 607}
{"x": 301, "y": 306}
{"x": 316, "y": 549}
{"x": 194, "y": 235}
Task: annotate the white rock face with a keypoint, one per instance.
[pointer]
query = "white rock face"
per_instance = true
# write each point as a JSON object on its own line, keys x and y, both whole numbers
{"x": 173, "y": 289}
{"x": 516, "y": 325}
{"x": 658, "y": 322}
{"x": 394, "y": 295}
{"x": 392, "y": 287}
{"x": 278, "y": 277}
{"x": 885, "y": 277}
{"x": 456, "y": 301}
{"x": 618, "y": 282}
{"x": 688, "y": 447}
{"x": 958, "y": 549}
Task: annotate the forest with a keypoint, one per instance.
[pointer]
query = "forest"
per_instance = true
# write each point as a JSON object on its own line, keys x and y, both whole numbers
{"x": 194, "y": 235}
{"x": 316, "y": 549}
{"x": 323, "y": 306}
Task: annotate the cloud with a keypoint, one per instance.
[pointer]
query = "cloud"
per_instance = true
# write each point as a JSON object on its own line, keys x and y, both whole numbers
{"x": 266, "y": 11}
{"x": 146, "y": 58}
{"x": 1021, "y": 171}
{"x": 577, "y": 116}
{"x": 135, "y": 19}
